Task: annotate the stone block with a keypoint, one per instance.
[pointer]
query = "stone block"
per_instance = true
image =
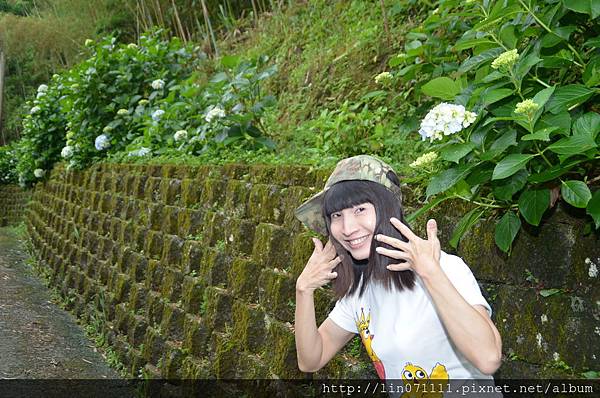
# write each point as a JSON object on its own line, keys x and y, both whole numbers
{"x": 192, "y": 294}
{"x": 172, "y": 322}
{"x": 243, "y": 278}
{"x": 215, "y": 266}
{"x": 218, "y": 308}
{"x": 196, "y": 335}
{"x": 248, "y": 326}
{"x": 192, "y": 256}
{"x": 272, "y": 246}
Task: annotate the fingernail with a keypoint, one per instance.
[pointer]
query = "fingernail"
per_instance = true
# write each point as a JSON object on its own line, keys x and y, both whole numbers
{"x": 393, "y": 219}
{"x": 378, "y": 249}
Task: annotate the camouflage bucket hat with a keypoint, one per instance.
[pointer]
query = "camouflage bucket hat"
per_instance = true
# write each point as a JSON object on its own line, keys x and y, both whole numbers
{"x": 362, "y": 167}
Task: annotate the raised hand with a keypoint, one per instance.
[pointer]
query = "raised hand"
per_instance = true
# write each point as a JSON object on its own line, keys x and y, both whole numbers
{"x": 319, "y": 268}
{"x": 421, "y": 255}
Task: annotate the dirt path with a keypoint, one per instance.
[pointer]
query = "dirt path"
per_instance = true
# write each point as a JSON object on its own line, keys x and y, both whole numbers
{"x": 38, "y": 340}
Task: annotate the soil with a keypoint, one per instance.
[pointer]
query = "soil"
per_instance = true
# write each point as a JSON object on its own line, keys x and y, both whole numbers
{"x": 39, "y": 340}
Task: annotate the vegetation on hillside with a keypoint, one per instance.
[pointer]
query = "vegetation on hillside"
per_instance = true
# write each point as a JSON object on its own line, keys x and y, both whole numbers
{"x": 493, "y": 102}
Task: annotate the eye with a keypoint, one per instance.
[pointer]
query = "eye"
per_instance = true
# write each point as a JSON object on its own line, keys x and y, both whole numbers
{"x": 408, "y": 375}
{"x": 335, "y": 215}
{"x": 420, "y": 374}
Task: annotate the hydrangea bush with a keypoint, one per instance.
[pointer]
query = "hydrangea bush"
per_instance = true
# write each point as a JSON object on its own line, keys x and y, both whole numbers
{"x": 530, "y": 71}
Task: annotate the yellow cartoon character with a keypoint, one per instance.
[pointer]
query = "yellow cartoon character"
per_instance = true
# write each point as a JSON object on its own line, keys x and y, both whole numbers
{"x": 423, "y": 385}
{"x": 362, "y": 324}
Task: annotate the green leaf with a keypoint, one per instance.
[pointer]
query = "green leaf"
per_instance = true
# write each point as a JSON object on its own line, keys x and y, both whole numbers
{"x": 506, "y": 230}
{"x": 541, "y": 98}
{"x": 453, "y": 153}
{"x": 588, "y": 124}
{"x": 591, "y": 7}
{"x": 593, "y": 208}
{"x": 446, "y": 179}
{"x": 557, "y": 35}
{"x": 505, "y": 189}
{"x": 576, "y": 193}
{"x": 510, "y": 165}
{"x": 464, "y": 44}
{"x": 566, "y": 97}
{"x": 573, "y": 145}
{"x": 553, "y": 172}
{"x": 441, "y": 87}
{"x": 540, "y": 135}
{"x": 533, "y": 204}
{"x": 491, "y": 96}
{"x": 562, "y": 121}
{"x": 412, "y": 217}
{"x": 230, "y": 61}
{"x": 549, "y": 292}
{"x": 524, "y": 65}
{"x": 475, "y": 61}
{"x": 465, "y": 223}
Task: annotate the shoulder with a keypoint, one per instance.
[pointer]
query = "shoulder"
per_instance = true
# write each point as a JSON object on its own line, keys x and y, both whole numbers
{"x": 454, "y": 266}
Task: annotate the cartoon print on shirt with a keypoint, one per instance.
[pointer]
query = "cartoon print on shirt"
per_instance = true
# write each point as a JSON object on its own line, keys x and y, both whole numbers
{"x": 362, "y": 324}
{"x": 428, "y": 384}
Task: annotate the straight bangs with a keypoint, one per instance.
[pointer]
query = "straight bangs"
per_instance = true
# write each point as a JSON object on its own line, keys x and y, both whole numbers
{"x": 342, "y": 196}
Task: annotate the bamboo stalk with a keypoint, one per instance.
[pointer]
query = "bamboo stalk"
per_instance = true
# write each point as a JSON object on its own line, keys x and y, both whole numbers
{"x": 178, "y": 21}
{"x": 209, "y": 27}
{"x": 385, "y": 24}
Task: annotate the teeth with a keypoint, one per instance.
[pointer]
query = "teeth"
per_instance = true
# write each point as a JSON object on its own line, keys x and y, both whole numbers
{"x": 357, "y": 241}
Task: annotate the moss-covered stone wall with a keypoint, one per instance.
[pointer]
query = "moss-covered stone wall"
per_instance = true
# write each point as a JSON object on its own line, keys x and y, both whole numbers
{"x": 13, "y": 202}
{"x": 191, "y": 271}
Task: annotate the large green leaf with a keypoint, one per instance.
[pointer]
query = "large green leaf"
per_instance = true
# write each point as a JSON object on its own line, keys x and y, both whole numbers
{"x": 588, "y": 124}
{"x": 506, "y": 140}
{"x": 476, "y": 60}
{"x": 568, "y": 96}
{"x": 558, "y": 35}
{"x": 453, "y": 153}
{"x": 465, "y": 223}
{"x": 540, "y": 135}
{"x": 464, "y": 44}
{"x": 573, "y": 145}
{"x": 553, "y": 172}
{"x": 491, "y": 96}
{"x": 575, "y": 193}
{"x": 446, "y": 179}
{"x": 591, "y": 7}
{"x": 593, "y": 208}
{"x": 441, "y": 87}
{"x": 533, "y": 204}
{"x": 561, "y": 120}
{"x": 510, "y": 165}
{"x": 505, "y": 189}
{"x": 506, "y": 230}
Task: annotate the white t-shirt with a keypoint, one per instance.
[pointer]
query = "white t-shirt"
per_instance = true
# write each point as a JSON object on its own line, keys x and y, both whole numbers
{"x": 402, "y": 332}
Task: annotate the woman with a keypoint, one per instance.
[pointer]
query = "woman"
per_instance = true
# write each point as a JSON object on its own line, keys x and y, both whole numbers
{"x": 418, "y": 310}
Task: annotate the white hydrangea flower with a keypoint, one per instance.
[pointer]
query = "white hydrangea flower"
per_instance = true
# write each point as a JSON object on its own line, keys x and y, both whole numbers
{"x": 39, "y": 173}
{"x": 143, "y": 101}
{"x": 424, "y": 160}
{"x": 445, "y": 119}
{"x": 67, "y": 152}
{"x": 122, "y": 112}
{"x": 157, "y": 114}
{"x": 140, "y": 152}
{"x": 102, "y": 142}
{"x": 35, "y": 109}
{"x": 132, "y": 45}
{"x": 158, "y": 84}
{"x": 214, "y": 113}
{"x": 107, "y": 129}
{"x": 383, "y": 78}
{"x": 42, "y": 88}
{"x": 40, "y": 94}
{"x": 180, "y": 135}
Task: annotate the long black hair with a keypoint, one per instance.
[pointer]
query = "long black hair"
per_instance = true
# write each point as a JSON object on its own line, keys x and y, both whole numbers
{"x": 346, "y": 194}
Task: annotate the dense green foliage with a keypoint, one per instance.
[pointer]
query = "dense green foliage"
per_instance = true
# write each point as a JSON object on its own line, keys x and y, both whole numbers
{"x": 530, "y": 71}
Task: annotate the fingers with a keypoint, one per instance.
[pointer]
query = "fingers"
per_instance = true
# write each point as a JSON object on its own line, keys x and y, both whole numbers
{"x": 397, "y": 243}
{"x": 403, "y": 228}
{"x": 397, "y": 254}
{"x": 399, "y": 267}
{"x": 431, "y": 230}
{"x": 318, "y": 244}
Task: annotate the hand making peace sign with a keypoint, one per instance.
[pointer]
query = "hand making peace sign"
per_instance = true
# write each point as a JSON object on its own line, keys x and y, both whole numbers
{"x": 421, "y": 255}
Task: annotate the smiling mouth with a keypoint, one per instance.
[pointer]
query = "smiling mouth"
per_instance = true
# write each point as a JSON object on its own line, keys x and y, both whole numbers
{"x": 357, "y": 242}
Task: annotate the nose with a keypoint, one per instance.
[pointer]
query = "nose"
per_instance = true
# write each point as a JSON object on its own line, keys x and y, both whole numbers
{"x": 349, "y": 225}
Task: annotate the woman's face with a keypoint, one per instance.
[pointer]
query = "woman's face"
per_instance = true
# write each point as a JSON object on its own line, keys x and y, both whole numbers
{"x": 353, "y": 228}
